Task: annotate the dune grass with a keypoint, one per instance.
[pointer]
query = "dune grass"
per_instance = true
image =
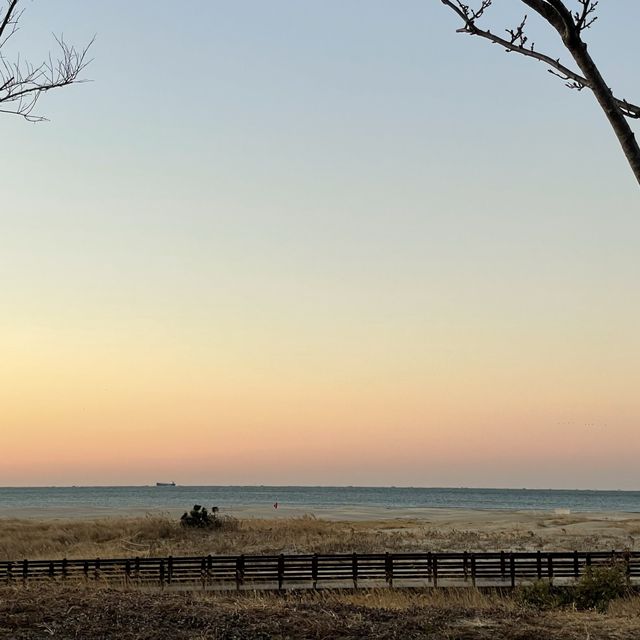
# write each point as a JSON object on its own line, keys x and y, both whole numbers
{"x": 162, "y": 535}
{"x": 156, "y": 535}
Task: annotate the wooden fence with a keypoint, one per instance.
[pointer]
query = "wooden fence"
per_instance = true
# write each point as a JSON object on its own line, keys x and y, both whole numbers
{"x": 496, "y": 569}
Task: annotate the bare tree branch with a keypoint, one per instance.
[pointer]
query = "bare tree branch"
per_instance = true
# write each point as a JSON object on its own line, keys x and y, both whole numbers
{"x": 7, "y": 19}
{"x": 517, "y": 45}
{"x": 22, "y": 83}
{"x": 570, "y": 26}
{"x": 586, "y": 16}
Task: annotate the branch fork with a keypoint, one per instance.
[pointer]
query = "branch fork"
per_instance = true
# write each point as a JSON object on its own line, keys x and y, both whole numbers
{"x": 570, "y": 26}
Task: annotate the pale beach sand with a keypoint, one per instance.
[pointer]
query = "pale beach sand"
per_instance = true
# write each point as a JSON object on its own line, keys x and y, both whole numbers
{"x": 459, "y": 517}
{"x": 553, "y": 530}
{"x": 454, "y": 517}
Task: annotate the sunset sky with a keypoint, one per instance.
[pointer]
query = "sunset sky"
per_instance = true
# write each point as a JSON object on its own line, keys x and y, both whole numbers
{"x": 331, "y": 243}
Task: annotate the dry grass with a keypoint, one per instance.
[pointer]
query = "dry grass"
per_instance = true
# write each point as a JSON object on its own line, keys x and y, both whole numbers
{"x": 161, "y": 536}
{"x": 95, "y": 613}
{"x": 155, "y": 535}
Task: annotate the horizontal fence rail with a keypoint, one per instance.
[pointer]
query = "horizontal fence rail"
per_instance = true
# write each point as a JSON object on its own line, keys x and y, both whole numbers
{"x": 488, "y": 569}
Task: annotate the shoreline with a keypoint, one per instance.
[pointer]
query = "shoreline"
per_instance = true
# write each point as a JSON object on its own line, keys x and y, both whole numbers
{"x": 316, "y": 486}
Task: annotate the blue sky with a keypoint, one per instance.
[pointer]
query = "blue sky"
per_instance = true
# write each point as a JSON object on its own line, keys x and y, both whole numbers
{"x": 349, "y": 187}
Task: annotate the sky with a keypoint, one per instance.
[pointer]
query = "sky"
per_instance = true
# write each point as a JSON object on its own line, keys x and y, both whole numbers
{"x": 317, "y": 243}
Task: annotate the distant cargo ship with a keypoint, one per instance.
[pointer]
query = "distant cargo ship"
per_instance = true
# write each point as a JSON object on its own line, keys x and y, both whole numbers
{"x": 165, "y": 484}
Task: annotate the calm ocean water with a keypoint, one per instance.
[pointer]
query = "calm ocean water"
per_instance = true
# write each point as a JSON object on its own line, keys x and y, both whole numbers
{"x": 13, "y": 500}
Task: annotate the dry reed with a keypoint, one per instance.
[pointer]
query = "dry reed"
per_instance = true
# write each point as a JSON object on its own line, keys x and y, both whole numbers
{"x": 162, "y": 535}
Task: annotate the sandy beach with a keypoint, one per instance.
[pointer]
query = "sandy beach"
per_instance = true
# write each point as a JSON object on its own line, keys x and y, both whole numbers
{"x": 366, "y": 528}
{"x": 354, "y": 513}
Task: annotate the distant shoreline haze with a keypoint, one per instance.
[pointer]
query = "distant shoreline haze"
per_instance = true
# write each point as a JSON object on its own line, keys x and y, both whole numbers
{"x": 313, "y": 486}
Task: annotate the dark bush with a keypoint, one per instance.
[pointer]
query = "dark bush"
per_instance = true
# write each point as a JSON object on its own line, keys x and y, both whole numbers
{"x": 595, "y": 589}
{"x": 540, "y": 595}
{"x": 200, "y": 518}
{"x": 599, "y": 586}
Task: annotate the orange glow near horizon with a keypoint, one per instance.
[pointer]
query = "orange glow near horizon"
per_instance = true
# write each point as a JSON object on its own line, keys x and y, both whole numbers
{"x": 86, "y": 411}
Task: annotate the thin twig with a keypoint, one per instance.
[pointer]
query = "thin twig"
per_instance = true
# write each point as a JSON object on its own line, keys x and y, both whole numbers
{"x": 518, "y": 39}
{"x": 22, "y": 83}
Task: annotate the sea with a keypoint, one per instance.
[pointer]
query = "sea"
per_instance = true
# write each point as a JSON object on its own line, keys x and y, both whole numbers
{"x": 14, "y": 500}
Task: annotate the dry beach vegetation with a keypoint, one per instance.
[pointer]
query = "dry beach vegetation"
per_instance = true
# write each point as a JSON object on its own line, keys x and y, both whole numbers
{"x": 96, "y": 611}
{"x": 156, "y": 535}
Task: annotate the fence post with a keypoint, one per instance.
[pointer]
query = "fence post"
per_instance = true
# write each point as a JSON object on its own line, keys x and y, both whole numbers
{"x": 388, "y": 568}
{"x": 209, "y": 569}
{"x": 169, "y": 569}
{"x": 203, "y": 572}
{"x": 137, "y": 564}
{"x": 512, "y": 569}
{"x": 65, "y": 562}
{"x": 52, "y": 569}
{"x": 473, "y": 569}
{"x": 576, "y": 565}
{"x": 503, "y": 566}
{"x": 280, "y": 571}
{"x": 239, "y": 572}
{"x": 10, "y": 572}
{"x": 25, "y": 569}
{"x": 550, "y": 568}
{"x": 435, "y": 570}
{"x": 465, "y": 565}
{"x": 354, "y": 570}
{"x": 627, "y": 566}
{"x": 588, "y": 560}
{"x": 314, "y": 570}
{"x": 539, "y": 564}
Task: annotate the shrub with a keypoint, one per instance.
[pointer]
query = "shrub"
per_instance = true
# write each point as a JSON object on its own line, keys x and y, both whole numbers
{"x": 599, "y": 586}
{"x": 200, "y": 518}
{"x": 540, "y": 594}
{"x": 596, "y": 588}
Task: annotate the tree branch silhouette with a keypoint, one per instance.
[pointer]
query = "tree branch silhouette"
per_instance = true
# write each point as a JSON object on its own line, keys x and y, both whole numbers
{"x": 570, "y": 27}
{"x": 23, "y": 83}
